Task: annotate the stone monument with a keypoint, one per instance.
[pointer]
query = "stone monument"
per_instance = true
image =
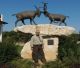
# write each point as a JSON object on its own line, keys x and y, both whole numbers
{"x": 50, "y": 34}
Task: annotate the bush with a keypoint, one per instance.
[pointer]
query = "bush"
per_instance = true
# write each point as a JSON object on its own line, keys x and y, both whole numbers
{"x": 55, "y": 64}
{"x": 16, "y": 36}
{"x": 8, "y": 51}
{"x": 21, "y": 63}
{"x": 69, "y": 50}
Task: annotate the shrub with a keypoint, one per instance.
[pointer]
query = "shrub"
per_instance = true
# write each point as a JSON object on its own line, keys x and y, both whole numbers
{"x": 69, "y": 50}
{"x": 21, "y": 63}
{"x": 8, "y": 51}
{"x": 16, "y": 36}
{"x": 55, "y": 64}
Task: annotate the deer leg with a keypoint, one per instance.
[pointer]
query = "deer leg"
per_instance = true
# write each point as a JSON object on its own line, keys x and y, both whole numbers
{"x": 51, "y": 21}
{"x": 63, "y": 21}
{"x": 16, "y": 23}
{"x": 34, "y": 22}
{"x": 65, "y": 24}
{"x": 60, "y": 23}
{"x": 55, "y": 21}
{"x": 23, "y": 22}
{"x": 31, "y": 21}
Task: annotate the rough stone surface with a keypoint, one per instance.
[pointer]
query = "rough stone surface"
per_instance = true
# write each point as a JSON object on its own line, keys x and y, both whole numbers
{"x": 45, "y": 29}
{"x": 49, "y": 50}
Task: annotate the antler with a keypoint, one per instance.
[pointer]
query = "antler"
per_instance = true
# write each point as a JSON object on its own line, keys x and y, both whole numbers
{"x": 37, "y": 7}
{"x": 44, "y": 2}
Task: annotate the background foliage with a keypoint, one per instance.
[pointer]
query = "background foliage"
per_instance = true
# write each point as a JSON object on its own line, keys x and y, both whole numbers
{"x": 68, "y": 51}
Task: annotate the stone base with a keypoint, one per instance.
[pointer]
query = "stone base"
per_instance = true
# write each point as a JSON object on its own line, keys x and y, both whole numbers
{"x": 45, "y": 30}
{"x": 50, "y": 51}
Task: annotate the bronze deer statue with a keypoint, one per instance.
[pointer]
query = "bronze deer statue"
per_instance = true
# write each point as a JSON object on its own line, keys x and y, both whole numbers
{"x": 54, "y": 17}
{"x": 28, "y": 15}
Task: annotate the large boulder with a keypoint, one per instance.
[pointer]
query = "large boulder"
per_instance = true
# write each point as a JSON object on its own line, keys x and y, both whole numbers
{"x": 50, "y": 51}
{"x": 45, "y": 29}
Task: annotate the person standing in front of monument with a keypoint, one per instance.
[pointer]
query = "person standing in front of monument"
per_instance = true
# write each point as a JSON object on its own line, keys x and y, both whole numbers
{"x": 37, "y": 48}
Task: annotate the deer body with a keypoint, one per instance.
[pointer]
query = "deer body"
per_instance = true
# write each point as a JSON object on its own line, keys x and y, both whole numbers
{"x": 55, "y": 17}
{"x": 27, "y": 15}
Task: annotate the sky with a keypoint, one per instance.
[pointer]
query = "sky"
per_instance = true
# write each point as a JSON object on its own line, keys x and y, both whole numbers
{"x": 69, "y": 8}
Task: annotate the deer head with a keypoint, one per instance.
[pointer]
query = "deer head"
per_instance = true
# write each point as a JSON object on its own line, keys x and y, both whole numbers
{"x": 38, "y": 12}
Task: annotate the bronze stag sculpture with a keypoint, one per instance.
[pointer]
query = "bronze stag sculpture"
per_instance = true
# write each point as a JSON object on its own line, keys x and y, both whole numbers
{"x": 54, "y": 17}
{"x": 28, "y": 15}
